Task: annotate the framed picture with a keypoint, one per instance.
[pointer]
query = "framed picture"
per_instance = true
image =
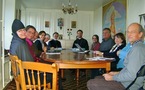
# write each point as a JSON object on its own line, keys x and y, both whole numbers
{"x": 114, "y": 16}
{"x": 47, "y": 23}
{"x": 60, "y": 36}
{"x": 60, "y": 22}
{"x": 73, "y": 24}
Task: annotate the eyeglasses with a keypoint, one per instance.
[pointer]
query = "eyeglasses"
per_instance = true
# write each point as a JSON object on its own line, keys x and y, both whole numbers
{"x": 94, "y": 38}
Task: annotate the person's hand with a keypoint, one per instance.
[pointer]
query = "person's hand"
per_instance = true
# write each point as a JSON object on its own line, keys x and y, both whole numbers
{"x": 113, "y": 73}
{"x": 45, "y": 49}
{"x": 108, "y": 77}
{"x": 43, "y": 55}
{"x": 118, "y": 52}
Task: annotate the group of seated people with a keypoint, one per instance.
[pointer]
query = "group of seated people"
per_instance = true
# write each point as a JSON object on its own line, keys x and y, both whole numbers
{"x": 130, "y": 59}
{"x": 29, "y": 45}
{"x": 44, "y": 43}
{"x": 25, "y": 44}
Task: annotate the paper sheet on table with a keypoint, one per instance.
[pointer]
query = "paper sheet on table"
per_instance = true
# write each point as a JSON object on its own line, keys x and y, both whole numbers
{"x": 52, "y": 53}
{"x": 100, "y": 59}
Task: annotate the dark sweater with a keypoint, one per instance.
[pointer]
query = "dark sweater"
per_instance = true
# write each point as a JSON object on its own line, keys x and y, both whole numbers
{"x": 82, "y": 42}
{"x": 19, "y": 48}
{"x": 106, "y": 45}
{"x": 55, "y": 44}
{"x": 113, "y": 54}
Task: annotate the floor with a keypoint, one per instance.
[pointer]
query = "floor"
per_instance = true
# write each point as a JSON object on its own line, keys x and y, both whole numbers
{"x": 69, "y": 84}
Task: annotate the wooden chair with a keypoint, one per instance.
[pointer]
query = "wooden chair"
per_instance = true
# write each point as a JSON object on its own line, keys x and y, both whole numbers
{"x": 21, "y": 70}
{"x": 15, "y": 71}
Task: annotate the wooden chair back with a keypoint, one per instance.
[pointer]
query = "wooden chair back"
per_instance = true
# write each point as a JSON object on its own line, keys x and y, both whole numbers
{"x": 15, "y": 71}
{"x": 30, "y": 70}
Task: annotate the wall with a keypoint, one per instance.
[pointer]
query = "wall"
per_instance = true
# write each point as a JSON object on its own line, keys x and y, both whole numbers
{"x": 135, "y": 8}
{"x": 90, "y": 22}
{"x": 37, "y": 18}
{"x": 9, "y": 17}
{"x": 1, "y": 10}
{"x": 0, "y": 38}
{"x": 98, "y": 23}
{"x": 1, "y": 26}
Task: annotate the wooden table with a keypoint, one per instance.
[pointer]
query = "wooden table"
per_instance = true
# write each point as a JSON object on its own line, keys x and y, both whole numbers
{"x": 69, "y": 60}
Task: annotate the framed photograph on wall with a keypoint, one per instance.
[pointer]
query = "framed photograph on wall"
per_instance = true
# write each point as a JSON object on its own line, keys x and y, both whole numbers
{"x": 60, "y": 36}
{"x": 73, "y": 24}
{"x": 60, "y": 22}
{"x": 47, "y": 24}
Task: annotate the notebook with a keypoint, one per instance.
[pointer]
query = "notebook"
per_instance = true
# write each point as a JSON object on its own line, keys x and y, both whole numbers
{"x": 79, "y": 47}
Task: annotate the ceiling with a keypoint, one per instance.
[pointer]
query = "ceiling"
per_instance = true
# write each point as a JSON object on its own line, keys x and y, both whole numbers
{"x": 84, "y": 5}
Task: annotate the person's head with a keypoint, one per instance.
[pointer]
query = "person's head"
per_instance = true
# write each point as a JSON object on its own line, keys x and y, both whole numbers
{"x": 35, "y": 36}
{"x": 55, "y": 35}
{"x": 42, "y": 35}
{"x": 95, "y": 38}
{"x": 30, "y": 32}
{"x": 47, "y": 37}
{"x": 119, "y": 38}
{"x": 135, "y": 32}
{"x": 79, "y": 33}
{"x": 106, "y": 33}
{"x": 18, "y": 29}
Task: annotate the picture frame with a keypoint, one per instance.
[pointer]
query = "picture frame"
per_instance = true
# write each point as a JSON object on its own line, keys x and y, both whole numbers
{"x": 114, "y": 16}
{"x": 60, "y": 37}
{"x": 47, "y": 24}
{"x": 73, "y": 24}
{"x": 60, "y": 22}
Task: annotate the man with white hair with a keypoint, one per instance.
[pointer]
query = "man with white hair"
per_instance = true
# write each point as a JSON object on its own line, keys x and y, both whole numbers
{"x": 47, "y": 38}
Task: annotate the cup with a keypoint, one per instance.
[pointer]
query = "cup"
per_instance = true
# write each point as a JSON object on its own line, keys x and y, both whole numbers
{"x": 97, "y": 53}
{"x": 94, "y": 53}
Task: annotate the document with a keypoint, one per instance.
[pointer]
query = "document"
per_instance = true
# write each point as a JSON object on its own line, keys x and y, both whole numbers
{"x": 100, "y": 58}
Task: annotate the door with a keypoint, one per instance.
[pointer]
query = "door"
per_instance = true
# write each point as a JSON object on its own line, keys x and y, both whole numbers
{"x": 2, "y": 42}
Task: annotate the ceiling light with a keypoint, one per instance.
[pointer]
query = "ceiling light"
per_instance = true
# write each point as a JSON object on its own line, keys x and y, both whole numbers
{"x": 70, "y": 9}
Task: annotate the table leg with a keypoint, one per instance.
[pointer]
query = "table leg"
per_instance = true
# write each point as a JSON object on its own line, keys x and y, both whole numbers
{"x": 108, "y": 67}
{"x": 77, "y": 78}
{"x": 62, "y": 73}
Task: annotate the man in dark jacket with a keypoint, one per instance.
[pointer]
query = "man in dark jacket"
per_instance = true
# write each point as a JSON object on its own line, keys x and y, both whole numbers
{"x": 81, "y": 41}
{"x": 107, "y": 42}
{"x": 54, "y": 42}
